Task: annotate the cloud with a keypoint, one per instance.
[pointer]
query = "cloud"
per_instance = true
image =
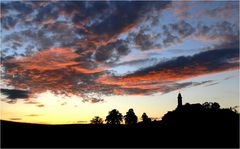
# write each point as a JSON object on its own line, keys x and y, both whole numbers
{"x": 229, "y": 10}
{"x": 129, "y": 14}
{"x": 60, "y": 74}
{"x": 187, "y": 66}
{"x": 78, "y": 24}
{"x": 8, "y": 22}
{"x": 219, "y": 33}
{"x": 138, "y": 62}
{"x": 72, "y": 48}
{"x": 40, "y": 105}
{"x": 46, "y": 14}
{"x": 55, "y": 70}
{"x": 213, "y": 60}
{"x": 222, "y": 34}
{"x": 33, "y": 115}
{"x": 164, "y": 76}
{"x": 183, "y": 29}
{"x": 64, "y": 103}
{"x": 112, "y": 51}
{"x": 31, "y": 102}
{"x": 15, "y": 119}
{"x": 212, "y": 84}
{"x": 232, "y": 76}
{"x": 14, "y": 94}
{"x": 93, "y": 100}
{"x": 81, "y": 122}
{"x": 16, "y": 10}
{"x": 47, "y": 60}
{"x": 146, "y": 41}
{"x": 226, "y": 9}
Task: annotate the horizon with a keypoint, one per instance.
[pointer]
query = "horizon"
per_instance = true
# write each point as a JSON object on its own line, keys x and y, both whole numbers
{"x": 66, "y": 62}
{"x": 139, "y": 119}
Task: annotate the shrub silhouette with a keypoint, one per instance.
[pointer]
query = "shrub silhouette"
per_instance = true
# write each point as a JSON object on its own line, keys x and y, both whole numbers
{"x": 215, "y": 105}
{"x": 210, "y": 105}
{"x": 114, "y": 117}
{"x": 97, "y": 120}
{"x": 145, "y": 119}
{"x": 130, "y": 117}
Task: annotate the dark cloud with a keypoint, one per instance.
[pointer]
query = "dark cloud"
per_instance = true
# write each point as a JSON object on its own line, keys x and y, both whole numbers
{"x": 146, "y": 41}
{"x": 21, "y": 7}
{"x": 223, "y": 30}
{"x": 84, "y": 23}
{"x": 175, "y": 33}
{"x": 128, "y": 14}
{"x": 112, "y": 51}
{"x": 230, "y": 9}
{"x": 21, "y": 12}
{"x": 14, "y": 94}
{"x": 93, "y": 100}
{"x": 183, "y": 29}
{"x": 170, "y": 39}
{"x": 213, "y": 60}
{"x": 163, "y": 77}
{"x": 46, "y": 13}
{"x": 84, "y": 11}
{"x": 222, "y": 33}
{"x": 8, "y": 22}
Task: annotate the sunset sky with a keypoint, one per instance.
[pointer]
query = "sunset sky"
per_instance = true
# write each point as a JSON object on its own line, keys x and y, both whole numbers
{"x": 66, "y": 62}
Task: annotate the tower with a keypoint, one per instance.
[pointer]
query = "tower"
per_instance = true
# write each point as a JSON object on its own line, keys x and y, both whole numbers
{"x": 179, "y": 100}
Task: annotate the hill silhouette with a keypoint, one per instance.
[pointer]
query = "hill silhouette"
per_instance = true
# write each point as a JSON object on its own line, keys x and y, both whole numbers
{"x": 189, "y": 125}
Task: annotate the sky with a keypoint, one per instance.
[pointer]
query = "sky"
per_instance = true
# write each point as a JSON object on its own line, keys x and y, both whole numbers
{"x": 64, "y": 62}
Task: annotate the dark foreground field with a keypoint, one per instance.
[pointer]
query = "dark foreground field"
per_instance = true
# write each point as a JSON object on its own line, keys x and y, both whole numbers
{"x": 188, "y": 126}
{"x": 31, "y": 135}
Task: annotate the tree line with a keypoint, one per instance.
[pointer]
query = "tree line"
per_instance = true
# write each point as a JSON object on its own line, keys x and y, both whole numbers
{"x": 114, "y": 117}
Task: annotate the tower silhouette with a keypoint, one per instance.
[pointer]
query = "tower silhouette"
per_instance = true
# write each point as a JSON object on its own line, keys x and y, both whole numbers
{"x": 179, "y": 100}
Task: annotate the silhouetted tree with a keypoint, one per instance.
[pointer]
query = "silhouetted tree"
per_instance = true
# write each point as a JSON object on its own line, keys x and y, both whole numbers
{"x": 97, "y": 120}
{"x": 145, "y": 118}
{"x": 130, "y": 117}
{"x": 215, "y": 105}
{"x": 206, "y": 105}
{"x": 210, "y": 105}
{"x": 114, "y": 117}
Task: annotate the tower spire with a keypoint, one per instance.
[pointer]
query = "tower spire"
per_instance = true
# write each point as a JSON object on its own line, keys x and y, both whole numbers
{"x": 179, "y": 100}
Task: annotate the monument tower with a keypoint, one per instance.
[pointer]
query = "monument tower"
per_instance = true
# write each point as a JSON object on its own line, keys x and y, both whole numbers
{"x": 179, "y": 100}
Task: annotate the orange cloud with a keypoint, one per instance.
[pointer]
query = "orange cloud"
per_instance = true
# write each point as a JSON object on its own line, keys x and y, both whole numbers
{"x": 89, "y": 71}
{"x": 163, "y": 77}
{"x": 51, "y": 59}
